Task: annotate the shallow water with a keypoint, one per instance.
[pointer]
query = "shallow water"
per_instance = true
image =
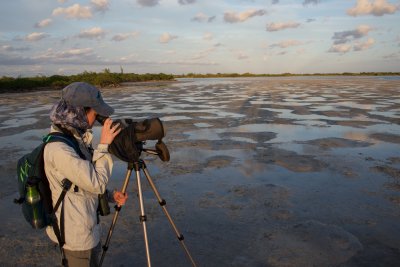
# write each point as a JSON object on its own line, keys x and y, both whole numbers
{"x": 263, "y": 171}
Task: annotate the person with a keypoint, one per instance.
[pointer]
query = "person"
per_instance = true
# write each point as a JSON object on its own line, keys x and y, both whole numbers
{"x": 75, "y": 115}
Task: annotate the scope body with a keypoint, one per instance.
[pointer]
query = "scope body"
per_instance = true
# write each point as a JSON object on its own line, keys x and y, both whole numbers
{"x": 128, "y": 144}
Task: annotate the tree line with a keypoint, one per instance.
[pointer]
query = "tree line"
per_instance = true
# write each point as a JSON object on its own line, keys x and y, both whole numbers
{"x": 101, "y": 79}
{"x": 108, "y": 78}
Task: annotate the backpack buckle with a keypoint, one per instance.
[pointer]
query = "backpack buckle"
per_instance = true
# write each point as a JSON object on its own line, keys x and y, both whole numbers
{"x": 66, "y": 184}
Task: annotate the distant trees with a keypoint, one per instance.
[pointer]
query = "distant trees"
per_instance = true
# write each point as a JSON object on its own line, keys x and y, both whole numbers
{"x": 108, "y": 78}
{"x": 101, "y": 79}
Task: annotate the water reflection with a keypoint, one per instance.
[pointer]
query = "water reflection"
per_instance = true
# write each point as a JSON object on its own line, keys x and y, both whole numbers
{"x": 260, "y": 111}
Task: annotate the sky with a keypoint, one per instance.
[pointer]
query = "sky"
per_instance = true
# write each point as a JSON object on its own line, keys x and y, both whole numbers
{"x": 47, "y": 37}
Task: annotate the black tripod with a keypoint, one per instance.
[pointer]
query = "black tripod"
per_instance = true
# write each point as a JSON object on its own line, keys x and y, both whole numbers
{"x": 140, "y": 165}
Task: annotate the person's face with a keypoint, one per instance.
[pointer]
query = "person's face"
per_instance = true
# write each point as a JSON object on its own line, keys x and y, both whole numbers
{"x": 91, "y": 116}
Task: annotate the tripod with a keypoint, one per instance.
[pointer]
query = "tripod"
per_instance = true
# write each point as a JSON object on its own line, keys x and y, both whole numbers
{"x": 137, "y": 166}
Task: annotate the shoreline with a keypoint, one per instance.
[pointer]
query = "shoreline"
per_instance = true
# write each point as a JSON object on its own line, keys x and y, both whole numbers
{"x": 51, "y": 88}
{"x": 161, "y": 82}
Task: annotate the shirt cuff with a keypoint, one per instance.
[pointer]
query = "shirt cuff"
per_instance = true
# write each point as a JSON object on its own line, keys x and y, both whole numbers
{"x": 103, "y": 148}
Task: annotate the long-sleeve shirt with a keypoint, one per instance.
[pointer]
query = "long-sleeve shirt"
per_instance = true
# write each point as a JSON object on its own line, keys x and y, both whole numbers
{"x": 82, "y": 231}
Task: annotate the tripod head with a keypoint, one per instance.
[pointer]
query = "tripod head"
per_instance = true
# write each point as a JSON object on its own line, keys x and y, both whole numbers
{"x": 160, "y": 150}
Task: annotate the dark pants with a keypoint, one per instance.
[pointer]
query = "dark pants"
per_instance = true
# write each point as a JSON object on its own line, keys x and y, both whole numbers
{"x": 84, "y": 258}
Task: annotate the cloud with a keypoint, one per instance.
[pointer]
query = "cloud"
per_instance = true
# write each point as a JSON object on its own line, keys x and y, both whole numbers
{"x": 233, "y": 17}
{"x": 286, "y": 44}
{"x": 340, "y": 48}
{"x": 148, "y": 2}
{"x": 241, "y": 55}
{"x": 86, "y": 56}
{"x": 364, "y": 45}
{"x": 71, "y": 56}
{"x": 200, "y": 17}
{"x": 374, "y": 7}
{"x": 274, "y": 2}
{"x": 43, "y": 23}
{"x": 166, "y": 37}
{"x": 93, "y": 33}
{"x": 212, "y": 18}
{"x": 100, "y": 5}
{"x": 9, "y": 48}
{"x": 344, "y": 41}
{"x": 75, "y": 11}
{"x": 301, "y": 51}
{"x": 123, "y": 36}
{"x": 186, "y": 2}
{"x": 279, "y": 26}
{"x": 307, "y": 2}
{"x": 392, "y": 56}
{"x": 36, "y": 36}
{"x": 359, "y": 46}
{"x": 203, "y": 54}
{"x": 208, "y": 36}
{"x": 348, "y": 36}
{"x": 10, "y": 60}
{"x": 89, "y": 59}
{"x": 75, "y": 52}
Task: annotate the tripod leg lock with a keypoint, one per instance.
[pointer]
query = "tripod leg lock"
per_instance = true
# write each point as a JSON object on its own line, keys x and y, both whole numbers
{"x": 117, "y": 208}
{"x": 181, "y": 237}
{"x": 143, "y": 218}
{"x": 163, "y": 202}
{"x": 105, "y": 248}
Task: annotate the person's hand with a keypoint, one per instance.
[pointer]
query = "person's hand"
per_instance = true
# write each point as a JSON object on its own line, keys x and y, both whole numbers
{"x": 108, "y": 132}
{"x": 120, "y": 198}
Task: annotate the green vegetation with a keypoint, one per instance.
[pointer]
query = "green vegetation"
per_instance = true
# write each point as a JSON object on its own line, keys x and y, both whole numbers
{"x": 102, "y": 79}
{"x": 108, "y": 78}
{"x": 233, "y": 75}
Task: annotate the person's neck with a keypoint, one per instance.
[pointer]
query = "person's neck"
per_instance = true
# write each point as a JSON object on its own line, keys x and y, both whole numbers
{"x": 69, "y": 130}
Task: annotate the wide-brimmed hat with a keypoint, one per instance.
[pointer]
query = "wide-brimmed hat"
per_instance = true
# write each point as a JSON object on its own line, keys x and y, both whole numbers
{"x": 81, "y": 94}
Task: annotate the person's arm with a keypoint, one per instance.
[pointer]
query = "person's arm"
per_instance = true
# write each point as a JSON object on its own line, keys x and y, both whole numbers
{"x": 91, "y": 177}
{"x": 83, "y": 173}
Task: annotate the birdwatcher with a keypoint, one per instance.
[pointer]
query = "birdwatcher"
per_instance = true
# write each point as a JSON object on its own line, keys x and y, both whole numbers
{"x": 88, "y": 169}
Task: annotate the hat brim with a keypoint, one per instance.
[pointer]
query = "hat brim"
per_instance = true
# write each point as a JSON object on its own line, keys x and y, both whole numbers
{"x": 103, "y": 109}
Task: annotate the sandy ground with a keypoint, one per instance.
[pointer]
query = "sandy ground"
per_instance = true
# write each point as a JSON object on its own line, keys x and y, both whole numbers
{"x": 263, "y": 172}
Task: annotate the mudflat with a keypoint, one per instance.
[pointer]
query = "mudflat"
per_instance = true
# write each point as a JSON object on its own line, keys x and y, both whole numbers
{"x": 263, "y": 172}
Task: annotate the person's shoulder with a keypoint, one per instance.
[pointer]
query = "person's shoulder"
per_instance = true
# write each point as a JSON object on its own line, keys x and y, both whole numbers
{"x": 58, "y": 147}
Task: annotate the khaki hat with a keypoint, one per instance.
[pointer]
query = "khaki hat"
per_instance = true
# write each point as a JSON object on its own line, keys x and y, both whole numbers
{"x": 81, "y": 94}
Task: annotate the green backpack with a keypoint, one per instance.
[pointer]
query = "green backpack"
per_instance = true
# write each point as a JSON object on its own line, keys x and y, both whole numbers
{"x": 33, "y": 186}
{"x": 34, "y": 190}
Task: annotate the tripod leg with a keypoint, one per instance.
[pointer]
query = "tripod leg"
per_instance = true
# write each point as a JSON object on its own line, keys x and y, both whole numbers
{"x": 163, "y": 204}
{"x": 142, "y": 216}
{"x": 117, "y": 210}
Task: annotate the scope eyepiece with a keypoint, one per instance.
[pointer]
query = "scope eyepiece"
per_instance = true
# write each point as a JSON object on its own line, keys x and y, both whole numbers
{"x": 101, "y": 119}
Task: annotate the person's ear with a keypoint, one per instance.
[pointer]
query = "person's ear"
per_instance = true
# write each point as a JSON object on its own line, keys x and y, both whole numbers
{"x": 87, "y": 110}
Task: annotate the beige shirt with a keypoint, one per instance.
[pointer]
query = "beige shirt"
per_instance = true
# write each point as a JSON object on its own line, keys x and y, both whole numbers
{"x": 91, "y": 177}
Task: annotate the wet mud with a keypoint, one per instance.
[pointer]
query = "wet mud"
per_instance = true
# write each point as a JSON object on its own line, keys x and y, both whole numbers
{"x": 263, "y": 172}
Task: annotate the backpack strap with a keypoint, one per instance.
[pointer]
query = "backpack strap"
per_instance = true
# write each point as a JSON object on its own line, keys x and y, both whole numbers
{"x": 67, "y": 139}
{"x": 66, "y": 184}
{"x": 60, "y": 234}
